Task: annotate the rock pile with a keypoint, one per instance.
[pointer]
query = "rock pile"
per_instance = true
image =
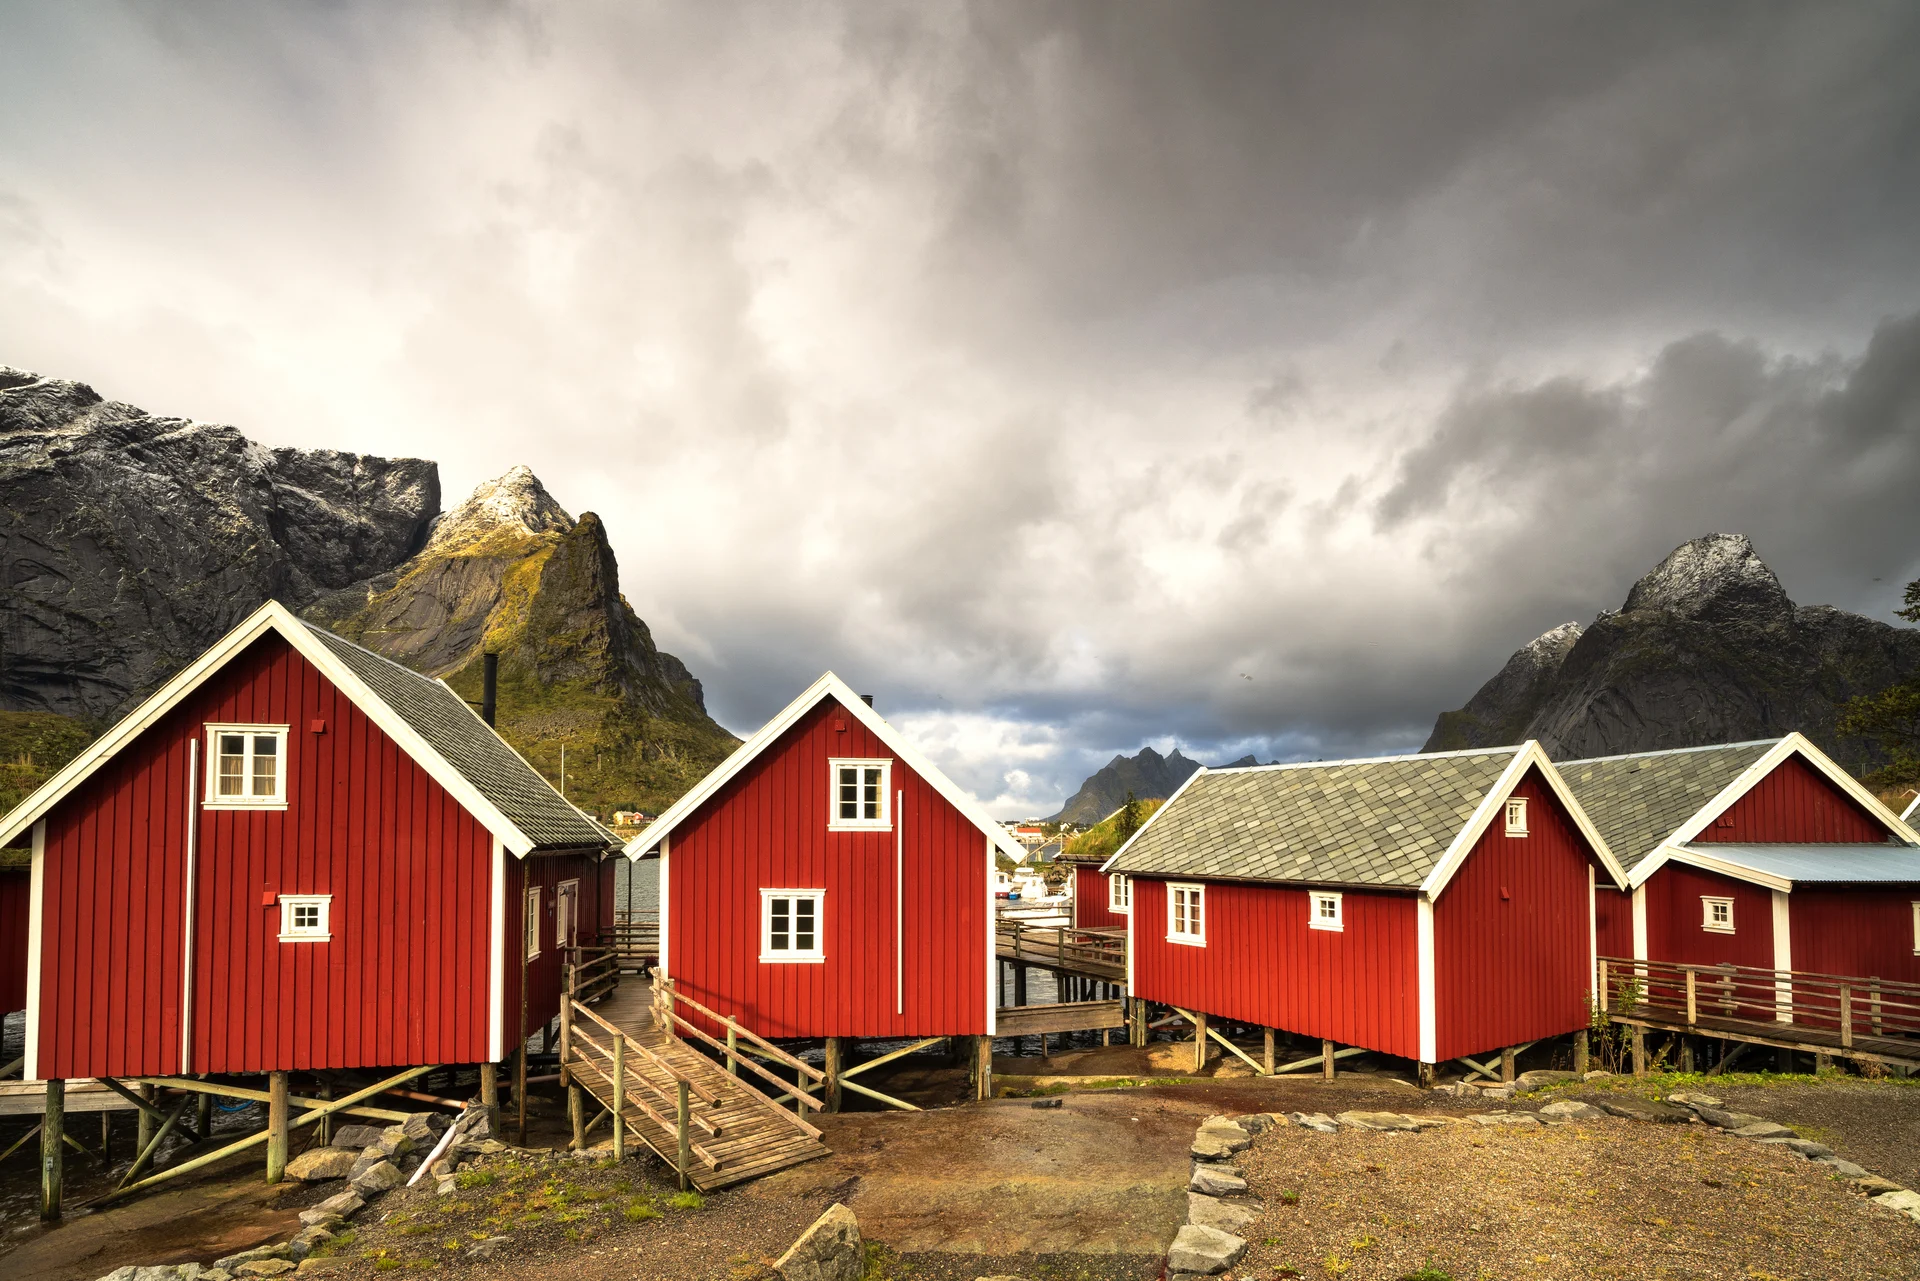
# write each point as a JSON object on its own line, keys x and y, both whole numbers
{"x": 1217, "y": 1201}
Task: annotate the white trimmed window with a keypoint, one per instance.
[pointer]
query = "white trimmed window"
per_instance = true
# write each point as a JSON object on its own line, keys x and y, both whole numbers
{"x": 1119, "y": 893}
{"x": 859, "y": 795}
{"x": 247, "y": 766}
{"x": 1716, "y": 914}
{"x": 304, "y": 918}
{"x": 1916, "y": 929}
{"x": 1187, "y": 914}
{"x": 1516, "y": 816}
{"x": 533, "y": 921}
{"x": 1325, "y": 912}
{"x": 790, "y": 925}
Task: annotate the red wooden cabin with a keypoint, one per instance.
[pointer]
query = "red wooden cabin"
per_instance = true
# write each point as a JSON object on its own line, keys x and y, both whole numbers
{"x": 296, "y": 854}
{"x": 1763, "y": 854}
{"x": 1426, "y": 906}
{"x": 1099, "y": 899}
{"x": 828, "y": 881}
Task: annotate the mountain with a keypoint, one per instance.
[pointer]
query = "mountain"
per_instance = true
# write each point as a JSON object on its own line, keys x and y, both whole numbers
{"x": 509, "y": 571}
{"x": 132, "y": 542}
{"x": 1147, "y": 775}
{"x": 1706, "y": 649}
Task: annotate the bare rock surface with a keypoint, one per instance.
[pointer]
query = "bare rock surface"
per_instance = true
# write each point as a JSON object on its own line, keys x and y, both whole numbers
{"x": 830, "y": 1250}
{"x": 317, "y": 1164}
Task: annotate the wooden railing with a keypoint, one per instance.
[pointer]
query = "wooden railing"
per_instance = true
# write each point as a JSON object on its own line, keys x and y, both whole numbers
{"x": 1850, "y": 1004}
{"x": 1063, "y": 948}
{"x": 635, "y": 936}
{"x": 591, "y": 972}
{"x": 628, "y": 1073}
{"x": 666, "y": 1008}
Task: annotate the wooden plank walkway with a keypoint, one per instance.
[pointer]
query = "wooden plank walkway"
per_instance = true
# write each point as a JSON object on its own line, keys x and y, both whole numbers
{"x": 1066, "y": 1016}
{"x": 1095, "y": 954}
{"x": 1785, "y": 1036}
{"x": 738, "y": 1132}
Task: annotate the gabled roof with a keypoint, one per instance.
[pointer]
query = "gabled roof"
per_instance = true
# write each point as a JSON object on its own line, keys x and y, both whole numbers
{"x": 1911, "y": 813}
{"x": 1404, "y": 822}
{"x": 832, "y": 687}
{"x": 1651, "y": 804}
{"x": 1781, "y": 866}
{"x": 428, "y": 721}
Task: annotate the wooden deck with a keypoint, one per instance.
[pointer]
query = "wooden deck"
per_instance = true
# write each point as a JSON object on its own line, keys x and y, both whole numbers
{"x": 736, "y": 1132}
{"x": 1066, "y": 1016}
{"x": 1096, "y": 954}
{"x": 1785, "y": 1036}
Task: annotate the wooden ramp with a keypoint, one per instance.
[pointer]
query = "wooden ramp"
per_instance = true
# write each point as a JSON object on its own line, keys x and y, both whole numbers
{"x": 1098, "y": 954}
{"x": 678, "y": 1100}
{"x": 1065, "y": 1016}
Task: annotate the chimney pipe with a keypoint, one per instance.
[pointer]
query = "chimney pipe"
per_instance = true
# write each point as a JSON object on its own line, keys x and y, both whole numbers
{"x": 867, "y": 699}
{"x": 489, "y": 686}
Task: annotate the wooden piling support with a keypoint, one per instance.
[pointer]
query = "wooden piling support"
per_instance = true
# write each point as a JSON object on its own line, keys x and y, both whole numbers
{"x": 490, "y": 1092}
{"x": 733, "y": 1048}
{"x": 326, "y": 1122}
{"x": 276, "y": 1126}
{"x": 520, "y": 1088}
{"x": 577, "y": 1115}
{"x": 1639, "y": 1039}
{"x": 1686, "y": 1053}
{"x": 1019, "y": 983}
{"x": 1582, "y": 1052}
{"x": 1199, "y": 1041}
{"x": 1423, "y": 1074}
{"x": 833, "y": 1074}
{"x": 619, "y": 1098}
{"x": 143, "y": 1127}
{"x": 1266, "y": 1050}
{"x": 1327, "y": 1060}
{"x": 106, "y": 1138}
{"x": 684, "y": 1124}
{"x": 1506, "y": 1064}
{"x": 52, "y": 1158}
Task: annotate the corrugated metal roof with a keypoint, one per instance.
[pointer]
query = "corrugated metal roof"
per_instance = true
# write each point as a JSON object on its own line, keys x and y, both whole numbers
{"x": 1818, "y": 864}
{"x": 1639, "y": 800}
{"x": 472, "y": 747}
{"x": 1381, "y": 822}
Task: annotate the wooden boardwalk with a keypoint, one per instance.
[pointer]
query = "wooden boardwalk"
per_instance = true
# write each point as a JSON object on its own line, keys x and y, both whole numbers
{"x": 1066, "y": 1016}
{"x": 1096, "y": 954}
{"x": 734, "y": 1131}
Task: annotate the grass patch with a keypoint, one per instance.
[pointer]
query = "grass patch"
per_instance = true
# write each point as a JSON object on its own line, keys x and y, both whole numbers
{"x": 340, "y": 1241}
{"x": 475, "y": 1179}
{"x": 1427, "y": 1272}
{"x": 882, "y": 1264}
{"x": 686, "y": 1201}
{"x": 640, "y": 1211}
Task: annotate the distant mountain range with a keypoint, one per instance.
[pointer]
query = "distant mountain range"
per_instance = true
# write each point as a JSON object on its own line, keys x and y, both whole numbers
{"x": 1148, "y": 775}
{"x": 1706, "y": 649}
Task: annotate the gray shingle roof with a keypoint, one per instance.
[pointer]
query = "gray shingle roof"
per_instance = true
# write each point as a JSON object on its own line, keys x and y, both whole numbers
{"x": 1380, "y": 822}
{"x": 1637, "y": 801}
{"x": 468, "y": 744}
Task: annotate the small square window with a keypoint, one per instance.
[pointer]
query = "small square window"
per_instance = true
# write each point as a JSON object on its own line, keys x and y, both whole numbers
{"x": 1716, "y": 915}
{"x": 1326, "y": 912}
{"x": 790, "y": 925}
{"x": 246, "y": 769}
{"x": 1119, "y": 893}
{"x": 1516, "y": 816}
{"x": 304, "y": 918}
{"x": 1187, "y": 914}
{"x": 859, "y": 795}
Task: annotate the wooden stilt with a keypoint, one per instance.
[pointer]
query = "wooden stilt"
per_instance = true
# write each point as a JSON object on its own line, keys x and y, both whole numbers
{"x": 106, "y": 1138}
{"x": 1019, "y": 983}
{"x": 52, "y": 1157}
{"x": 1582, "y": 1051}
{"x": 1639, "y": 1050}
{"x": 733, "y": 1048}
{"x": 1266, "y": 1056}
{"x": 684, "y": 1122}
{"x": 1423, "y": 1075}
{"x": 1686, "y": 1053}
{"x": 833, "y": 1074}
{"x": 1199, "y": 1041}
{"x": 1506, "y": 1064}
{"x": 144, "y": 1157}
{"x": 1821, "y": 1063}
{"x": 577, "y": 1114}
{"x": 983, "y": 1067}
{"x": 1327, "y": 1060}
{"x": 619, "y": 1098}
{"x": 276, "y": 1126}
{"x": 490, "y": 1092}
{"x": 1139, "y": 1023}
{"x": 326, "y": 1122}
{"x": 520, "y": 1090}
{"x": 143, "y": 1128}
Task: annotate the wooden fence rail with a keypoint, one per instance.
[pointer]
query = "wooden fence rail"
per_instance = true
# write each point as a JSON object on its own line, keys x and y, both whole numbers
{"x": 1080, "y": 951}
{"x": 1852, "y": 1005}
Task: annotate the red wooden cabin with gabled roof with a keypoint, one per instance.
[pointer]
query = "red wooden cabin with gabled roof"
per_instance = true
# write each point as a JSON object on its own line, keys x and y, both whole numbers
{"x": 1099, "y": 900}
{"x": 296, "y": 855}
{"x": 1427, "y": 907}
{"x": 826, "y": 880}
{"x": 1764, "y": 854}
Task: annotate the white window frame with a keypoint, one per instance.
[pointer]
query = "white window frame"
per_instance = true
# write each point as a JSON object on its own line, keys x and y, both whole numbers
{"x": 278, "y": 799}
{"x": 566, "y": 906}
{"x": 1318, "y": 920}
{"x": 320, "y": 933}
{"x": 1197, "y": 913}
{"x": 1119, "y": 893}
{"x": 1916, "y": 928}
{"x": 1516, "y": 816}
{"x": 531, "y": 925}
{"x": 815, "y": 955}
{"x": 837, "y": 824}
{"x": 1707, "y": 903}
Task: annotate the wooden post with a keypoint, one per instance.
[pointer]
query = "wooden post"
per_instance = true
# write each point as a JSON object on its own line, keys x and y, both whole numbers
{"x": 1639, "y": 1050}
{"x": 1019, "y": 983}
{"x": 684, "y": 1124}
{"x": 1692, "y": 1008}
{"x": 52, "y": 1159}
{"x": 106, "y": 1137}
{"x": 1266, "y": 1056}
{"x": 619, "y": 1098}
{"x": 1423, "y": 1075}
{"x": 1686, "y": 1053}
{"x": 1846, "y": 1015}
{"x": 1506, "y": 1064}
{"x": 833, "y": 1074}
{"x": 1582, "y": 1053}
{"x": 1822, "y": 1063}
{"x": 143, "y": 1129}
{"x": 983, "y": 1067}
{"x": 276, "y": 1126}
{"x": 1873, "y": 1001}
{"x": 577, "y": 1114}
{"x": 326, "y": 1122}
{"x": 1199, "y": 1041}
{"x": 733, "y": 1047}
{"x": 520, "y": 1089}
{"x": 1326, "y": 1059}
{"x": 490, "y": 1092}
{"x": 566, "y": 1023}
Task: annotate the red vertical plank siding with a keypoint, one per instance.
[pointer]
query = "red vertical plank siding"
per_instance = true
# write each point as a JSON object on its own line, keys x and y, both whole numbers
{"x": 767, "y": 829}
{"x": 403, "y": 978}
{"x": 1795, "y": 802}
{"x": 1612, "y": 920}
{"x": 544, "y": 974}
{"x": 1510, "y": 934}
{"x": 1856, "y": 930}
{"x": 1090, "y": 899}
{"x": 1263, "y": 965}
{"x": 1674, "y": 917}
{"x": 15, "y": 884}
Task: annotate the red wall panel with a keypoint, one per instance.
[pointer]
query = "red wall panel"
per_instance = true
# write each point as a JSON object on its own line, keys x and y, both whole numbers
{"x": 403, "y": 979}
{"x": 15, "y": 887}
{"x": 767, "y": 829}
{"x": 1674, "y": 916}
{"x": 1856, "y": 931}
{"x": 544, "y": 975}
{"x": 1795, "y": 802}
{"x": 1510, "y": 934}
{"x": 1263, "y": 965}
{"x": 1612, "y": 920}
{"x": 1090, "y": 910}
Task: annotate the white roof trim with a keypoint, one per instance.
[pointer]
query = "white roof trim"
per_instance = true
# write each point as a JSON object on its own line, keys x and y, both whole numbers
{"x": 275, "y": 617}
{"x": 1185, "y": 783}
{"x": 828, "y": 686}
{"x": 1525, "y": 757}
{"x": 1695, "y": 857}
{"x": 1749, "y": 778}
{"x": 1912, "y": 812}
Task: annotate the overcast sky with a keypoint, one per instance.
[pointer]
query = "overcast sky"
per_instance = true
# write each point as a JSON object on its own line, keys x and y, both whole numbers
{"x": 1243, "y": 377}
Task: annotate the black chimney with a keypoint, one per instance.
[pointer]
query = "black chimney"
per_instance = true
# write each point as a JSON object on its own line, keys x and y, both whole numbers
{"x": 489, "y": 685}
{"x": 867, "y": 699}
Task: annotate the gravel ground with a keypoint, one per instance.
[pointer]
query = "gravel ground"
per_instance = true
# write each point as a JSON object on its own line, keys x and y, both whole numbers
{"x": 1599, "y": 1199}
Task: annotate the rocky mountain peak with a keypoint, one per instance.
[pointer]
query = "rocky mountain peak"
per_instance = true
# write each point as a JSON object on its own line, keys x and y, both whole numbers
{"x": 1717, "y": 576}
{"x": 516, "y": 503}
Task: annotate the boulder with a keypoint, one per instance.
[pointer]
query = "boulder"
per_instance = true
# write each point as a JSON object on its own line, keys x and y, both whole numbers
{"x": 1571, "y": 1110}
{"x": 1873, "y": 1184}
{"x": 307, "y": 1239}
{"x": 488, "y": 1248}
{"x": 1216, "y": 1180}
{"x": 1596, "y": 1076}
{"x": 1692, "y": 1099}
{"x": 1843, "y": 1169}
{"x": 1765, "y": 1130}
{"x": 266, "y": 1268}
{"x": 1907, "y": 1203}
{"x": 1635, "y": 1109}
{"x": 1491, "y": 1093}
{"x": 318, "y": 1164}
{"x": 356, "y": 1137}
{"x": 395, "y": 1141}
{"x": 425, "y": 1128}
{"x": 1725, "y": 1120}
{"x": 233, "y": 1262}
{"x": 1256, "y": 1124}
{"x": 1505, "y": 1118}
{"x": 1204, "y": 1251}
{"x": 1377, "y": 1121}
{"x": 1528, "y": 1082}
{"x": 1805, "y": 1147}
{"x": 830, "y": 1250}
{"x": 1319, "y": 1122}
{"x": 367, "y": 1159}
{"x": 1228, "y": 1216}
{"x": 1210, "y": 1144}
{"x": 376, "y": 1179}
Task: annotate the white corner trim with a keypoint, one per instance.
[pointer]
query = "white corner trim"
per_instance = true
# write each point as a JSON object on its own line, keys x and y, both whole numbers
{"x": 1640, "y": 922}
{"x": 1695, "y": 857}
{"x": 36, "y": 900}
{"x": 993, "y": 954}
{"x": 186, "y": 906}
{"x": 666, "y": 902}
{"x": 1783, "y": 955}
{"x": 899, "y": 901}
{"x": 1152, "y": 818}
{"x": 497, "y": 953}
{"x": 1593, "y": 932}
{"x": 1429, "y": 1022}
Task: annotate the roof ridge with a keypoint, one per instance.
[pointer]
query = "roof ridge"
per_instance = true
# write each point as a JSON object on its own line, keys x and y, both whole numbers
{"x": 1370, "y": 760}
{"x": 1671, "y": 751}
